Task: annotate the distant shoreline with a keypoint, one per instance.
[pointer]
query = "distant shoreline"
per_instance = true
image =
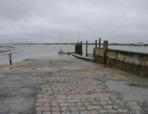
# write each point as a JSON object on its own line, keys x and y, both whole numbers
{"x": 115, "y": 44}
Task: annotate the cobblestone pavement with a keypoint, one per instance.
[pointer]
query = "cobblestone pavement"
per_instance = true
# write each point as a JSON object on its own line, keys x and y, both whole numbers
{"x": 77, "y": 89}
{"x": 43, "y": 86}
{"x": 66, "y": 86}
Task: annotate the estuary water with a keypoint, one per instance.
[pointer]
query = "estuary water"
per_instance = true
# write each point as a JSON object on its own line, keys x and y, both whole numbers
{"x": 21, "y": 52}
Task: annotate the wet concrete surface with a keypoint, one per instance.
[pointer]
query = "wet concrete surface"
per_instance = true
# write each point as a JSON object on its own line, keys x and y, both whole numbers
{"x": 128, "y": 92}
{"x": 130, "y": 87}
{"x": 17, "y": 91}
{"x": 20, "y": 84}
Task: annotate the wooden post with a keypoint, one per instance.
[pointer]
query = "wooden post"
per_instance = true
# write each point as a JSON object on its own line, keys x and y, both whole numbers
{"x": 81, "y": 48}
{"x": 78, "y": 48}
{"x": 86, "y": 48}
{"x": 99, "y": 42}
{"x": 95, "y": 43}
{"x": 105, "y": 48}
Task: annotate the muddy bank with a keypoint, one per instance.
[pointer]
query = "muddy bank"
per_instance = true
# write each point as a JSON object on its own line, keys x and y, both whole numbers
{"x": 6, "y": 48}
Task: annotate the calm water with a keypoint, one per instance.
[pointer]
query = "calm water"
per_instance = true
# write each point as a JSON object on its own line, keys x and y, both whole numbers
{"x": 22, "y": 52}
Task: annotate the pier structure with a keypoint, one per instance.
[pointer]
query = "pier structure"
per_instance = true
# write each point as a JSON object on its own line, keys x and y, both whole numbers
{"x": 79, "y": 48}
{"x": 133, "y": 62}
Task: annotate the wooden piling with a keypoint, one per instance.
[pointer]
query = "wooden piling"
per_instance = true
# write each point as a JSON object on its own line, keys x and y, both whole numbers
{"x": 99, "y": 42}
{"x": 78, "y": 48}
{"x": 81, "y": 48}
{"x": 86, "y": 48}
{"x": 105, "y": 48}
{"x": 95, "y": 43}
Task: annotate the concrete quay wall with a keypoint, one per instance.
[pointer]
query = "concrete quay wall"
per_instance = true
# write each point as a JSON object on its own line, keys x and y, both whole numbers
{"x": 133, "y": 62}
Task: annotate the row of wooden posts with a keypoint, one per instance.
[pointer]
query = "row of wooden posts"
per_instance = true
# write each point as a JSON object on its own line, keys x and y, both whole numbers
{"x": 78, "y": 46}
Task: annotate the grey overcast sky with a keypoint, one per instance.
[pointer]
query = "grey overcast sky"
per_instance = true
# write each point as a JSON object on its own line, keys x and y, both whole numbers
{"x": 61, "y": 20}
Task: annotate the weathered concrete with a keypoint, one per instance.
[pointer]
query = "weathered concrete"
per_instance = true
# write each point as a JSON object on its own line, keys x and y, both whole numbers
{"x": 133, "y": 62}
{"x": 100, "y": 53}
{"x": 136, "y": 63}
{"x": 17, "y": 90}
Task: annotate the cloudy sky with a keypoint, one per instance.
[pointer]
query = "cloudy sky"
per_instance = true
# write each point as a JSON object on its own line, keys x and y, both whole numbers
{"x": 61, "y": 20}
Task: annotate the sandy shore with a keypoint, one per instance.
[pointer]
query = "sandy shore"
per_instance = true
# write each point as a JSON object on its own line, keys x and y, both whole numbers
{"x": 69, "y": 85}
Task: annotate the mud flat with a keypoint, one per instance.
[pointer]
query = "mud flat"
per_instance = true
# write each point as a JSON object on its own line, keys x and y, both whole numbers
{"x": 5, "y": 48}
{"x": 68, "y": 85}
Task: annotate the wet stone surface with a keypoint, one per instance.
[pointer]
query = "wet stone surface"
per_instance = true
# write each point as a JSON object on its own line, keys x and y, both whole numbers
{"x": 78, "y": 90}
{"x": 68, "y": 86}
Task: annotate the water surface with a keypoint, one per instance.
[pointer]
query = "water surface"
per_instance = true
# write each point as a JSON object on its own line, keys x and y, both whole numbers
{"x": 22, "y": 52}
